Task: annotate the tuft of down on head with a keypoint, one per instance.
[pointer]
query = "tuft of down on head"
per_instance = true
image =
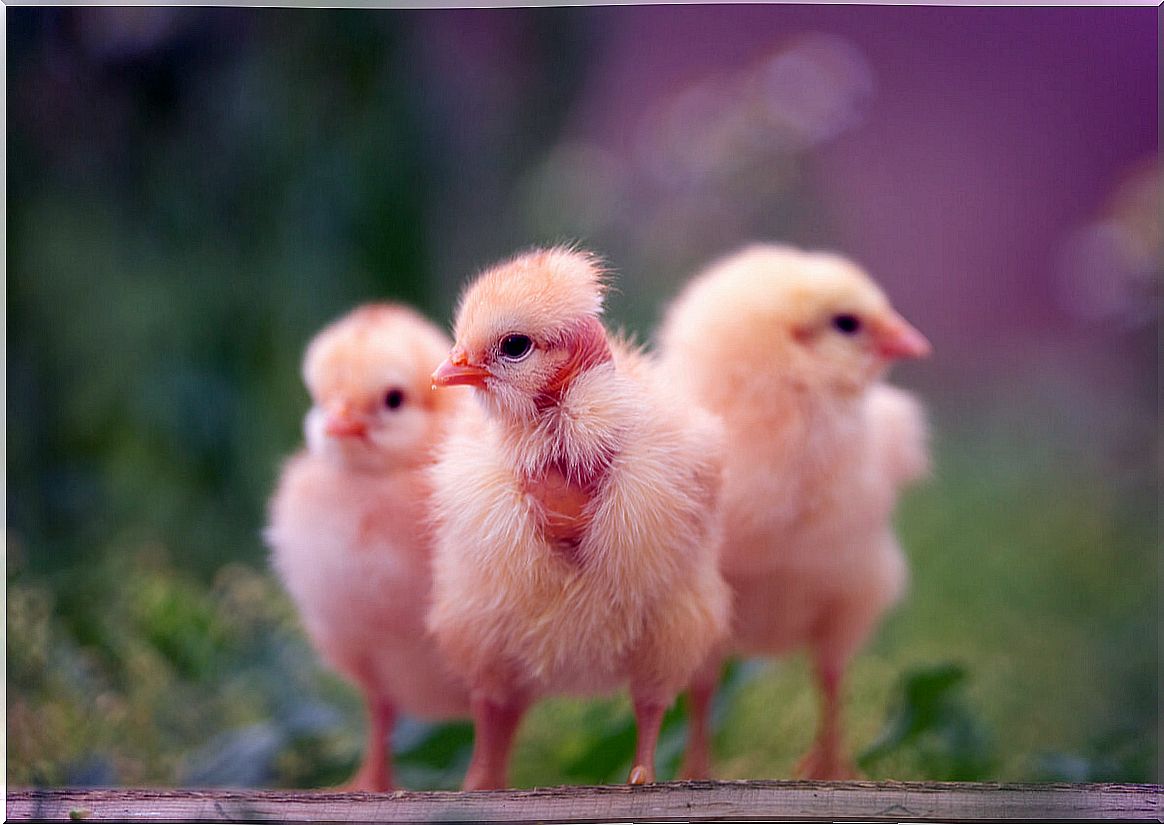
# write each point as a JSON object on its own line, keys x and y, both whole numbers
{"x": 780, "y": 316}
{"x": 526, "y": 328}
{"x": 367, "y": 373}
{"x": 543, "y": 293}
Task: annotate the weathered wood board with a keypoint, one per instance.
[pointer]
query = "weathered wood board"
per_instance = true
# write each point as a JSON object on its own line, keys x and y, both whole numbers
{"x": 671, "y": 801}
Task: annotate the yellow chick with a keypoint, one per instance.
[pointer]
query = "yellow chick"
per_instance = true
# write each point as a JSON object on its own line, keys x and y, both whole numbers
{"x": 577, "y": 527}
{"x": 789, "y": 348}
{"x": 347, "y": 530}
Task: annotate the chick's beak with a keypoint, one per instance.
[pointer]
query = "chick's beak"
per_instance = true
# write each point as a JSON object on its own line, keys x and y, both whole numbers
{"x": 342, "y": 422}
{"x": 897, "y": 338}
{"x": 456, "y": 370}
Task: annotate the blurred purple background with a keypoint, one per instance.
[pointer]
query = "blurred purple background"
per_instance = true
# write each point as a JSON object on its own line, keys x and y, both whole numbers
{"x": 995, "y": 168}
{"x": 962, "y": 154}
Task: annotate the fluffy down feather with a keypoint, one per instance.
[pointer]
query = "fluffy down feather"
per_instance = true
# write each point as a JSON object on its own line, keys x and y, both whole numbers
{"x": 577, "y": 525}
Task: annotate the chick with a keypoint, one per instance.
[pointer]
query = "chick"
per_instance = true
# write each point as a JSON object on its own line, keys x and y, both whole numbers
{"x": 347, "y": 531}
{"x": 577, "y": 527}
{"x": 789, "y": 347}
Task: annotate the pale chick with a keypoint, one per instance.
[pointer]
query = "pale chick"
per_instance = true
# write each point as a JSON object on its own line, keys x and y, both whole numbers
{"x": 790, "y": 347}
{"x": 348, "y": 532}
{"x": 576, "y": 508}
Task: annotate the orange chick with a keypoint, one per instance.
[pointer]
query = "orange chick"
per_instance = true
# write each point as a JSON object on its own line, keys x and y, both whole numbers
{"x": 789, "y": 348}
{"x": 347, "y": 521}
{"x": 577, "y": 527}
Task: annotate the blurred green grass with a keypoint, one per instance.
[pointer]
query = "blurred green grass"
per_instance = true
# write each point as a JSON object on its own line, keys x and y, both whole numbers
{"x": 1035, "y": 582}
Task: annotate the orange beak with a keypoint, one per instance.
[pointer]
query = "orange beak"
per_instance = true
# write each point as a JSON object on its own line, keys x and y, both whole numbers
{"x": 342, "y": 422}
{"x": 897, "y": 338}
{"x": 457, "y": 371}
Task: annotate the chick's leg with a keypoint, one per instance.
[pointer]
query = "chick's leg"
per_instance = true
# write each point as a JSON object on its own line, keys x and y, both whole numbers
{"x": 648, "y": 719}
{"x": 826, "y": 759}
{"x": 697, "y": 759}
{"x": 494, "y": 726}
{"x": 375, "y": 772}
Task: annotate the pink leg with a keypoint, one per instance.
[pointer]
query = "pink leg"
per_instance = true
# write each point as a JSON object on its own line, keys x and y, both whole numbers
{"x": 375, "y": 773}
{"x": 697, "y": 760}
{"x": 494, "y": 726}
{"x": 648, "y": 719}
{"x": 825, "y": 759}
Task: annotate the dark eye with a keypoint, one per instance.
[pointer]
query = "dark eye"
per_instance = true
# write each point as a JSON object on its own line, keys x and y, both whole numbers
{"x": 515, "y": 347}
{"x": 846, "y": 323}
{"x": 394, "y": 398}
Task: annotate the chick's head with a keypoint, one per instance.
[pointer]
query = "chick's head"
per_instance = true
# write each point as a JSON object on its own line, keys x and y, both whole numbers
{"x": 373, "y": 407}
{"x": 525, "y": 328}
{"x": 813, "y": 319}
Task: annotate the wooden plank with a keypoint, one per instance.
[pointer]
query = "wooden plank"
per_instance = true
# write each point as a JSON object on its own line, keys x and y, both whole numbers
{"x": 671, "y": 801}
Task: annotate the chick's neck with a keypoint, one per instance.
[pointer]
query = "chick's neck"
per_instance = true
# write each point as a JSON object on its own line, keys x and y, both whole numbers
{"x": 586, "y": 347}
{"x": 575, "y": 431}
{"x": 564, "y": 460}
{"x": 805, "y": 427}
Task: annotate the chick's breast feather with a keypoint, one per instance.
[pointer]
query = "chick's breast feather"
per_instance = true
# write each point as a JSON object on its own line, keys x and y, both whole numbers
{"x": 638, "y": 593}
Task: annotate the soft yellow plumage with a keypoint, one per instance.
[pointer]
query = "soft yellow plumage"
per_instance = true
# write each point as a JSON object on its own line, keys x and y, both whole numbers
{"x": 789, "y": 347}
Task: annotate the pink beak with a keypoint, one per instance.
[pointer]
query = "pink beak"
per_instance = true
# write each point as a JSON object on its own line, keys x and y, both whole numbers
{"x": 897, "y": 338}
{"x": 343, "y": 423}
{"x": 457, "y": 371}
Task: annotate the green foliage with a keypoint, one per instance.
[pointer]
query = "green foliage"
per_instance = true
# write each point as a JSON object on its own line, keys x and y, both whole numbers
{"x": 131, "y": 669}
{"x": 432, "y": 756}
{"x": 930, "y": 716}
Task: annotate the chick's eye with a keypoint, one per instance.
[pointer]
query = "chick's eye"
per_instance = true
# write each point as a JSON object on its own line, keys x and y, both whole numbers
{"x": 846, "y": 323}
{"x": 515, "y": 347}
{"x": 394, "y": 398}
